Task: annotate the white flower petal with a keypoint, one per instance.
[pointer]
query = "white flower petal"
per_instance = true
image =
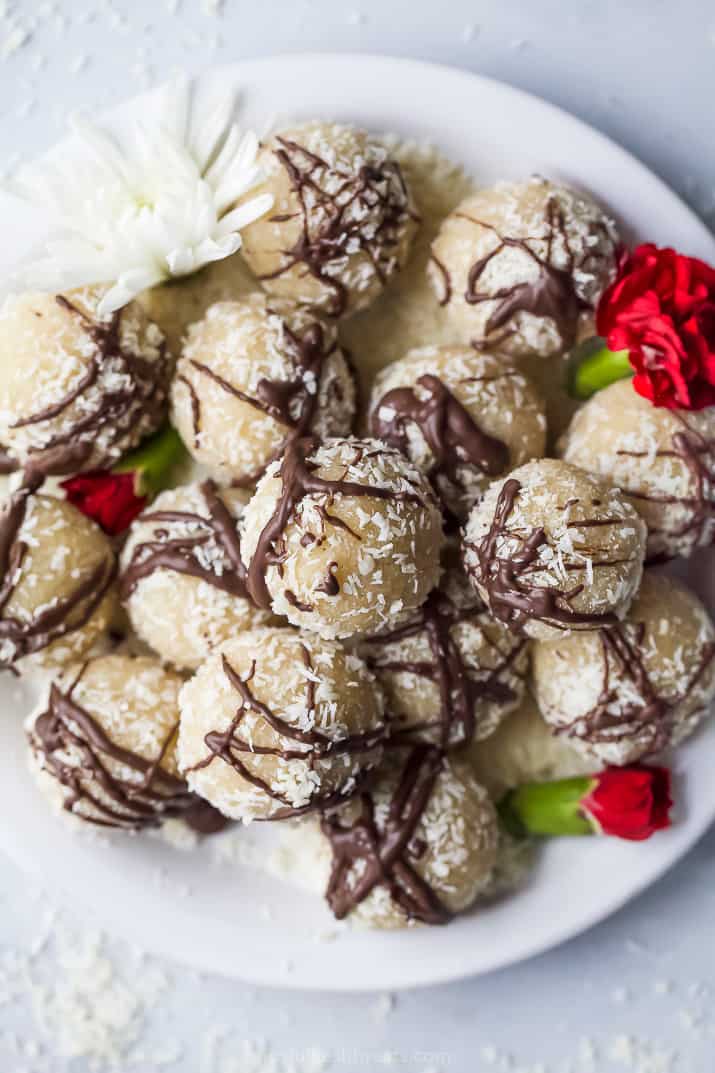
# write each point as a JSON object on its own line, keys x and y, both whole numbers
{"x": 159, "y": 201}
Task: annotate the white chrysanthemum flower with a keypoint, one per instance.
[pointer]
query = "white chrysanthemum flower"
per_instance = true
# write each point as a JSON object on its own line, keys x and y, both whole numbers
{"x": 136, "y": 210}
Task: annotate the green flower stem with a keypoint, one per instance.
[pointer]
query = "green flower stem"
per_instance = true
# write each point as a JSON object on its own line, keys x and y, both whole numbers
{"x": 153, "y": 461}
{"x": 547, "y": 808}
{"x": 598, "y": 370}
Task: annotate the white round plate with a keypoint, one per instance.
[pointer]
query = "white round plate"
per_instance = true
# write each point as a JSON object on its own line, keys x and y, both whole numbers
{"x": 233, "y": 919}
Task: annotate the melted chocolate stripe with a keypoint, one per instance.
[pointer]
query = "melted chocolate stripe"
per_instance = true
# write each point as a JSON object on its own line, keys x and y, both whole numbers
{"x": 387, "y": 854}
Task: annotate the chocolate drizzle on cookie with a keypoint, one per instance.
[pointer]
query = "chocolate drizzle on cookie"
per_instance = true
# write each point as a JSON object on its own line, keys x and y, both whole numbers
{"x": 697, "y": 453}
{"x": 93, "y": 790}
{"x": 292, "y": 402}
{"x": 136, "y": 389}
{"x": 512, "y": 598}
{"x": 308, "y": 746}
{"x": 450, "y": 431}
{"x": 299, "y": 478}
{"x": 462, "y": 689}
{"x": 20, "y": 636}
{"x": 369, "y": 853}
{"x": 643, "y": 711}
{"x": 552, "y": 294}
{"x": 341, "y": 212}
{"x": 192, "y": 553}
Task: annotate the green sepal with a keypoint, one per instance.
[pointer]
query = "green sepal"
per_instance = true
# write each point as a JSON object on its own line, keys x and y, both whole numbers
{"x": 597, "y": 370}
{"x": 153, "y": 460}
{"x": 547, "y": 808}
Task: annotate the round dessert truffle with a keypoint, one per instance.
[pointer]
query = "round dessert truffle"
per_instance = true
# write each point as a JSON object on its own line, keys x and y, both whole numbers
{"x": 103, "y": 743}
{"x": 276, "y": 723}
{"x": 78, "y": 391}
{"x": 342, "y": 219}
{"x": 182, "y": 579}
{"x": 635, "y": 688}
{"x": 521, "y": 266}
{"x": 462, "y": 417}
{"x": 341, "y": 537}
{"x": 552, "y": 549}
{"x": 450, "y": 672}
{"x": 57, "y": 570}
{"x": 523, "y": 749}
{"x": 418, "y": 846}
{"x": 663, "y": 460}
{"x": 251, "y": 379}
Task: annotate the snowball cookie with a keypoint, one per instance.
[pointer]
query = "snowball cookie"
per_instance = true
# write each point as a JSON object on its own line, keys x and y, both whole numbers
{"x": 450, "y": 672}
{"x": 631, "y": 690}
{"x": 182, "y": 579}
{"x": 552, "y": 549}
{"x": 276, "y": 723}
{"x": 77, "y": 391}
{"x": 524, "y": 748}
{"x": 342, "y": 218}
{"x": 57, "y": 570}
{"x": 664, "y": 460}
{"x": 521, "y": 266}
{"x": 103, "y": 743}
{"x": 251, "y": 378}
{"x": 341, "y": 537}
{"x": 462, "y": 417}
{"x": 417, "y": 847}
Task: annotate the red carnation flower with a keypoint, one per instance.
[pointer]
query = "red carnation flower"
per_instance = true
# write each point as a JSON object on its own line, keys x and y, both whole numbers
{"x": 107, "y": 498}
{"x": 625, "y": 802}
{"x": 632, "y": 802}
{"x": 661, "y": 312}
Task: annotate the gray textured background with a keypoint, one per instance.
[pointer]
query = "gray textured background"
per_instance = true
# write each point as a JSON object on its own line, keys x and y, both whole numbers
{"x": 634, "y": 993}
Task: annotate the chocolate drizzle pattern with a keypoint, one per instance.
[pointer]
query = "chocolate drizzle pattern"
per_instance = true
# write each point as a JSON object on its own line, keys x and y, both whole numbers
{"x": 387, "y": 851}
{"x": 308, "y": 746}
{"x": 697, "y": 453}
{"x": 513, "y": 599}
{"x": 461, "y": 689}
{"x": 450, "y": 431}
{"x": 182, "y": 554}
{"x": 21, "y": 637}
{"x": 292, "y": 403}
{"x": 552, "y": 294}
{"x": 94, "y": 791}
{"x": 651, "y": 714}
{"x": 299, "y": 478}
{"x": 366, "y": 210}
{"x": 139, "y": 390}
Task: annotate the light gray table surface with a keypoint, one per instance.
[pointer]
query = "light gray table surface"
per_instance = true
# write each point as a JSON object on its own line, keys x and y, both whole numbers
{"x": 632, "y": 994}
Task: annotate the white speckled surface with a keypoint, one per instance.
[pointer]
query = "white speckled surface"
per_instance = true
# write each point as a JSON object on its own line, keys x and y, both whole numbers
{"x": 643, "y": 73}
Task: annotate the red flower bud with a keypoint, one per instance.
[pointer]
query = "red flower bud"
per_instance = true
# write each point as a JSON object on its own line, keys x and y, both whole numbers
{"x": 630, "y": 802}
{"x": 107, "y": 498}
{"x": 625, "y": 802}
{"x": 661, "y": 310}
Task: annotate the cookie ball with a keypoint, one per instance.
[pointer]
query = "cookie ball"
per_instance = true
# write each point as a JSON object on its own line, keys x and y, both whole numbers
{"x": 450, "y": 672}
{"x": 276, "y": 723}
{"x": 524, "y": 748}
{"x": 551, "y": 549}
{"x": 182, "y": 580}
{"x": 103, "y": 743}
{"x": 462, "y": 417}
{"x": 418, "y": 846}
{"x": 520, "y": 267}
{"x": 342, "y": 219}
{"x": 341, "y": 537}
{"x": 250, "y": 379}
{"x": 77, "y": 391}
{"x": 663, "y": 460}
{"x": 57, "y": 570}
{"x": 629, "y": 691}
